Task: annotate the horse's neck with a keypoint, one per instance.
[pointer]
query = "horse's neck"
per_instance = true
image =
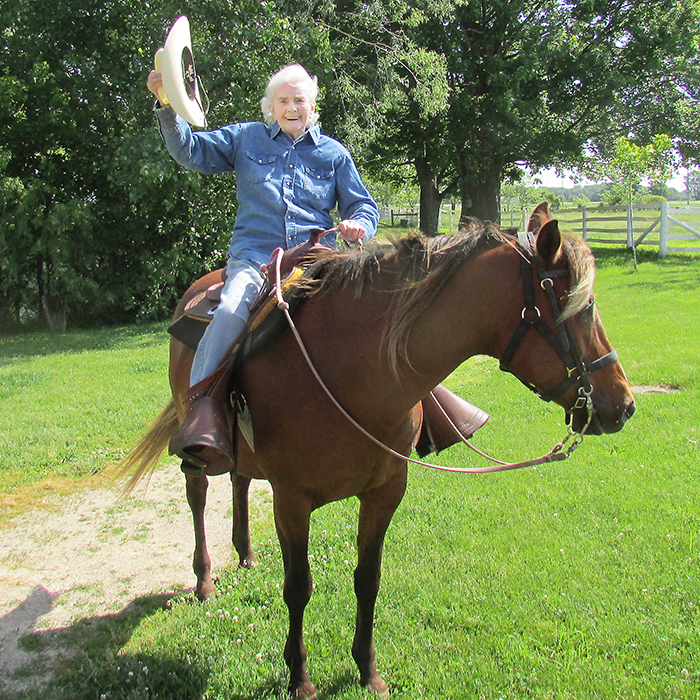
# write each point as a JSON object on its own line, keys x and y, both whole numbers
{"x": 345, "y": 334}
{"x": 470, "y": 316}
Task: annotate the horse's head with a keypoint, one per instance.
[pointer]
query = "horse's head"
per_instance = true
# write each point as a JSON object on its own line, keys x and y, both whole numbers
{"x": 560, "y": 349}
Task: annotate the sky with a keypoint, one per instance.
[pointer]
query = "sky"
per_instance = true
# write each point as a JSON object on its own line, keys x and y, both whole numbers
{"x": 550, "y": 179}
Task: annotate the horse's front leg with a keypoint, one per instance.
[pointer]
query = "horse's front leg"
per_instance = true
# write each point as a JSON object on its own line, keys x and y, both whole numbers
{"x": 376, "y": 510}
{"x": 201, "y": 563}
{"x": 240, "y": 535}
{"x": 292, "y": 514}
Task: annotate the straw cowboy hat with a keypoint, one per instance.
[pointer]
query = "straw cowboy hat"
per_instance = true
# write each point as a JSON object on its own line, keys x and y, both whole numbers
{"x": 174, "y": 61}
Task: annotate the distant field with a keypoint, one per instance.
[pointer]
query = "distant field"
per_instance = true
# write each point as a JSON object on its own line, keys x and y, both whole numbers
{"x": 611, "y": 226}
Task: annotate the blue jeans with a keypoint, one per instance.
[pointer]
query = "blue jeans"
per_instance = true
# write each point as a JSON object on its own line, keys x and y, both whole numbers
{"x": 242, "y": 285}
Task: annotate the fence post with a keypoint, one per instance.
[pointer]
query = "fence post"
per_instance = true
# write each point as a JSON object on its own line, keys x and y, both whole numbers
{"x": 584, "y": 223}
{"x": 663, "y": 235}
{"x": 630, "y": 226}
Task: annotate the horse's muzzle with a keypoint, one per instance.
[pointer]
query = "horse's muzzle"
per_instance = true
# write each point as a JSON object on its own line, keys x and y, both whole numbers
{"x": 602, "y": 421}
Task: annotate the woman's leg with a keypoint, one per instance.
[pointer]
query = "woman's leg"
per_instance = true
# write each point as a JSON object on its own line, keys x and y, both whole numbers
{"x": 203, "y": 439}
{"x": 242, "y": 284}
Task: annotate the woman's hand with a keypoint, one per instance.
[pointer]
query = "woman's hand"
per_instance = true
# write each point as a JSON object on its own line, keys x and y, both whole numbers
{"x": 351, "y": 230}
{"x": 154, "y": 82}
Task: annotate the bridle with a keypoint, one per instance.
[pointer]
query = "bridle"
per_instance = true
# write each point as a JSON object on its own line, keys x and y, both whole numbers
{"x": 563, "y": 343}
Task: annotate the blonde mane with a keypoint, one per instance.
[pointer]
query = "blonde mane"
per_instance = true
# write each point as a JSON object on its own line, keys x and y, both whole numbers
{"x": 581, "y": 265}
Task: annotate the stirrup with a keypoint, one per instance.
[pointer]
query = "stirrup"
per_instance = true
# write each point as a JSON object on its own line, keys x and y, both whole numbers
{"x": 441, "y": 409}
{"x": 204, "y": 429}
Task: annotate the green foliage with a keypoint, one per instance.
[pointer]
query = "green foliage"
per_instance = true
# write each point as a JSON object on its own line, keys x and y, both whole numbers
{"x": 525, "y": 82}
{"x": 395, "y": 187}
{"x": 97, "y": 224}
{"x": 524, "y": 196}
{"x": 581, "y": 201}
{"x": 628, "y": 164}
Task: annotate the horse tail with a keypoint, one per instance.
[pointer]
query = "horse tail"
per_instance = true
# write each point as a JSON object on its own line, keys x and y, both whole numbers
{"x": 143, "y": 459}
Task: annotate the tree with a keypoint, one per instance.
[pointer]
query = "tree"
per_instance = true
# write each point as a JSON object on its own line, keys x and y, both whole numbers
{"x": 383, "y": 93}
{"x": 97, "y": 224}
{"x": 694, "y": 184}
{"x": 630, "y": 163}
{"x": 68, "y": 98}
{"x": 524, "y": 195}
{"x": 530, "y": 82}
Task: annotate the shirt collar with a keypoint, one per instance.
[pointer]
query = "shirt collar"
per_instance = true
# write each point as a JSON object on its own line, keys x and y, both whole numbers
{"x": 313, "y": 132}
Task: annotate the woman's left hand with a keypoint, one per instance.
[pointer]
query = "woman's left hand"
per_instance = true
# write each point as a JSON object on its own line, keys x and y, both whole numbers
{"x": 351, "y": 230}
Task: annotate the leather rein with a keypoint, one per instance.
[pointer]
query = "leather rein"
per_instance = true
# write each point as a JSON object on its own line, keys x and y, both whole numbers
{"x": 563, "y": 344}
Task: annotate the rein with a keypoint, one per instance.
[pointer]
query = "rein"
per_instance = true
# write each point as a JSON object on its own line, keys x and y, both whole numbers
{"x": 557, "y": 453}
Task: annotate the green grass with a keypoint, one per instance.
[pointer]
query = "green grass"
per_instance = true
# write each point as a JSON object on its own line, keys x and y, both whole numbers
{"x": 574, "y": 580}
{"x": 71, "y": 403}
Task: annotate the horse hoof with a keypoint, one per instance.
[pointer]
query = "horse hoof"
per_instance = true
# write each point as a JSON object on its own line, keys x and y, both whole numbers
{"x": 377, "y": 687}
{"x": 306, "y": 691}
{"x": 205, "y": 592}
{"x": 249, "y": 562}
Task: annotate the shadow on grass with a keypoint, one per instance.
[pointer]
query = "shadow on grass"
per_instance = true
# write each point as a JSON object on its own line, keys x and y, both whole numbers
{"x": 343, "y": 683}
{"x": 39, "y": 344}
{"x": 82, "y": 661}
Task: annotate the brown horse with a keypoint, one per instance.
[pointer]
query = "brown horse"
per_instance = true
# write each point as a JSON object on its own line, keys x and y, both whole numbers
{"x": 382, "y": 331}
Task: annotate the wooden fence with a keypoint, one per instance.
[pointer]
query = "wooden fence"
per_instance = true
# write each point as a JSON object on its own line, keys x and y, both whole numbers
{"x": 632, "y": 226}
{"x": 663, "y": 226}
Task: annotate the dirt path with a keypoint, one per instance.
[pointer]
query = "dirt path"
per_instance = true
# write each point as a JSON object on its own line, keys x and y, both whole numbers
{"x": 91, "y": 554}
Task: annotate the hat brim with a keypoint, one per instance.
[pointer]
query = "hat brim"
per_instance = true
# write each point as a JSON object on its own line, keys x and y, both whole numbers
{"x": 179, "y": 75}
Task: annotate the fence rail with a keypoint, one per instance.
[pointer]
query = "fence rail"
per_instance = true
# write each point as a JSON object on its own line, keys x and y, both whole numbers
{"x": 630, "y": 226}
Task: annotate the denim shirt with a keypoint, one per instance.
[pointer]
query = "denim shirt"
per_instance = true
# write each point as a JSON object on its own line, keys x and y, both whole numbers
{"x": 285, "y": 187}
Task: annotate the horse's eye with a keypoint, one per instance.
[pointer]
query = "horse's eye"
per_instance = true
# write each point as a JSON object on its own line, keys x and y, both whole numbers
{"x": 589, "y": 307}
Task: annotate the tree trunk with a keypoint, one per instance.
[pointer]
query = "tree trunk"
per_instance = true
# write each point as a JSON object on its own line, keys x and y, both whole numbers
{"x": 482, "y": 201}
{"x": 55, "y": 317}
{"x": 430, "y": 198}
{"x": 54, "y": 314}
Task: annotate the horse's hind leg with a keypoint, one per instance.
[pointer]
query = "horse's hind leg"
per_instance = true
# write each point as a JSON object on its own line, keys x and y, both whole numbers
{"x": 241, "y": 521}
{"x": 292, "y": 521}
{"x": 201, "y": 563}
{"x": 376, "y": 510}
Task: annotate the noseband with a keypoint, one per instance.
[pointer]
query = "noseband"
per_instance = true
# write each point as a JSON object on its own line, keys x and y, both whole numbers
{"x": 563, "y": 342}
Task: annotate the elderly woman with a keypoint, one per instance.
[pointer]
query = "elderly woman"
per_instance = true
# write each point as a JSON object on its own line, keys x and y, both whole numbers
{"x": 289, "y": 177}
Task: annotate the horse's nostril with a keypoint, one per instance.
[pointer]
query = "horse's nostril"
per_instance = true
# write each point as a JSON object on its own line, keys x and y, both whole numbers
{"x": 629, "y": 411}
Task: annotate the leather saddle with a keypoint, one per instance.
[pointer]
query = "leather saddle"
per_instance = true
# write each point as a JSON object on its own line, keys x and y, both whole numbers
{"x": 199, "y": 309}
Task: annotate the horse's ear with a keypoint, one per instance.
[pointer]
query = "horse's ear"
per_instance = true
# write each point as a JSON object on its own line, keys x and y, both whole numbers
{"x": 548, "y": 242}
{"x": 540, "y": 216}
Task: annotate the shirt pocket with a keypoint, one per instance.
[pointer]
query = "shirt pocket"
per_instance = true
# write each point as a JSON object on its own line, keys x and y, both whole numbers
{"x": 319, "y": 181}
{"x": 259, "y": 168}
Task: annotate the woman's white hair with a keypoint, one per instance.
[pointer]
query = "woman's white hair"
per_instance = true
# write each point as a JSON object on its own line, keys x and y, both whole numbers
{"x": 293, "y": 74}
